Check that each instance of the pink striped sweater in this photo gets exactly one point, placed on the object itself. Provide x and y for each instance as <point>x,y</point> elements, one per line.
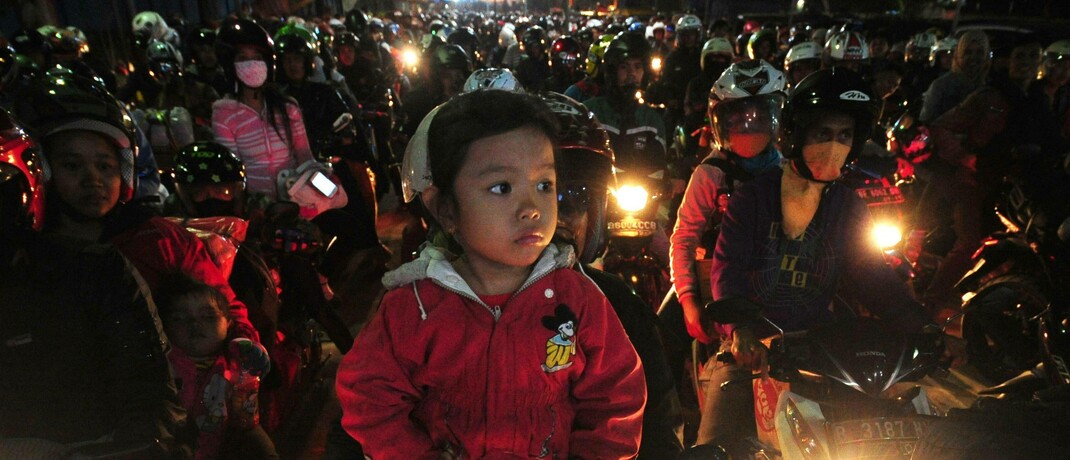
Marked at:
<point>250,135</point>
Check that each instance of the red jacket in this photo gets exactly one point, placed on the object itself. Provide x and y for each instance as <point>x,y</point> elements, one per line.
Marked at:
<point>158,247</point>
<point>436,371</point>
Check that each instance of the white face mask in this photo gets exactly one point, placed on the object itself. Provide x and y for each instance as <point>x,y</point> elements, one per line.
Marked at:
<point>252,73</point>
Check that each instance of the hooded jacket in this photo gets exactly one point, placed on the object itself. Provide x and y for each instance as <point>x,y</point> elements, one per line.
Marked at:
<point>548,373</point>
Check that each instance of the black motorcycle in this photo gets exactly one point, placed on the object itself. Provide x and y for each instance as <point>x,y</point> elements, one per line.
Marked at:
<point>833,391</point>
<point>1017,296</point>
<point>632,223</point>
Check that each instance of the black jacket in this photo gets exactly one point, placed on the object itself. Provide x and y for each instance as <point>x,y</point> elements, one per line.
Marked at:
<point>662,417</point>
<point>83,355</point>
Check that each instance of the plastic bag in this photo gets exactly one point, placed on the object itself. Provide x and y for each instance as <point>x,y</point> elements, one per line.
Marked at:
<point>221,237</point>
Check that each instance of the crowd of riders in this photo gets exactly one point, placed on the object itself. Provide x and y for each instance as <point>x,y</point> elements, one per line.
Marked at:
<point>172,224</point>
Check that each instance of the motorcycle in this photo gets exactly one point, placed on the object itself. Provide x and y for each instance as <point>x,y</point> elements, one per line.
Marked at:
<point>837,391</point>
<point>878,185</point>
<point>632,224</point>
<point>1016,300</point>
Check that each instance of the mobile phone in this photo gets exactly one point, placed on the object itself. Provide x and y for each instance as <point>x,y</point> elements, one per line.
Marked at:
<point>324,184</point>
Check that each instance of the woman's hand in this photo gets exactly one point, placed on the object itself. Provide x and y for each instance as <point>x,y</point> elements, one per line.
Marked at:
<point>693,319</point>
<point>748,351</point>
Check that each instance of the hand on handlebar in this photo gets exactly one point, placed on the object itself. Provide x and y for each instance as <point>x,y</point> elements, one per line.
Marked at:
<point>748,351</point>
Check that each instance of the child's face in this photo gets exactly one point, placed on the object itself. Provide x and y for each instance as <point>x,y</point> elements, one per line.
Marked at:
<point>196,327</point>
<point>85,172</point>
<point>507,203</point>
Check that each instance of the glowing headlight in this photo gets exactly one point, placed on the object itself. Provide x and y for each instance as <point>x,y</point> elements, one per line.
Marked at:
<point>631,198</point>
<point>886,235</point>
<point>655,64</point>
<point>410,58</point>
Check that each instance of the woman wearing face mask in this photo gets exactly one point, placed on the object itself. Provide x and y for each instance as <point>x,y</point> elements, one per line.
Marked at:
<point>256,121</point>
<point>793,238</point>
<point>744,110</point>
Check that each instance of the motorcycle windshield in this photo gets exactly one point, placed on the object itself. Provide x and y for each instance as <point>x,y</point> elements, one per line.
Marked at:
<point>863,354</point>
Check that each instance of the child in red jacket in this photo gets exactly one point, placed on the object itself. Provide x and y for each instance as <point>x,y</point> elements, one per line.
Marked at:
<point>502,351</point>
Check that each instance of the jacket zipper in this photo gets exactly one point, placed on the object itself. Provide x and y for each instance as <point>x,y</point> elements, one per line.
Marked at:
<point>496,311</point>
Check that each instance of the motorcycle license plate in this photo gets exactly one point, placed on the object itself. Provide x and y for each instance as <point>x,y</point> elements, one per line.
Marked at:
<point>878,437</point>
<point>881,195</point>
<point>632,227</point>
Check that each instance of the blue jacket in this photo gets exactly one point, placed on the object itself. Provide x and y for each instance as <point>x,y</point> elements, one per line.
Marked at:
<point>796,280</point>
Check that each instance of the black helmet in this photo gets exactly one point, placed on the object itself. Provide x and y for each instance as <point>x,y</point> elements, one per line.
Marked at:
<point>586,35</point>
<point>9,65</point>
<point>206,162</point>
<point>837,89</point>
<point>30,41</point>
<point>624,46</point>
<point>163,58</point>
<point>447,57</point>
<point>201,37</point>
<point>22,178</point>
<point>296,43</point>
<point>533,37</point>
<point>235,32</point>
<point>203,164</point>
<point>584,169</point>
<point>293,42</point>
<point>59,102</point>
<point>466,38</point>
<point>357,21</point>
<point>565,51</point>
<point>347,38</point>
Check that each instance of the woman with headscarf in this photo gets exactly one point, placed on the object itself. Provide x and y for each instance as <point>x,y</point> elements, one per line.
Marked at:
<point>969,71</point>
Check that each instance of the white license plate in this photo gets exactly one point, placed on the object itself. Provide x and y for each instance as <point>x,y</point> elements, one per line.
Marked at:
<point>878,437</point>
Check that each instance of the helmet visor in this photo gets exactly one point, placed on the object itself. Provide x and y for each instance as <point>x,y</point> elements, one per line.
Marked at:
<point>749,115</point>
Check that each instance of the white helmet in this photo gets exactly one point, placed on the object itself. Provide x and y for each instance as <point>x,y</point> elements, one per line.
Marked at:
<point>847,46</point>
<point>717,45</point>
<point>595,23</point>
<point>919,44</point>
<point>802,51</point>
<point>688,22</point>
<point>744,107</point>
<point>945,45</point>
<point>150,24</point>
<point>415,171</point>
<point>748,78</point>
<point>492,78</point>
<point>507,37</point>
<point>650,30</point>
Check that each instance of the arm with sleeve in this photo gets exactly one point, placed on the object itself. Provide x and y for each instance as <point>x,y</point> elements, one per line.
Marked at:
<point>302,152</point>
<point>696,210</point>
<point>376,390</point>
<point>610,394</point>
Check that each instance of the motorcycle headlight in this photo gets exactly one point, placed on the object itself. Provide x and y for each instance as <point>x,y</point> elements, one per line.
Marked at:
<point>801,432</point>
<point>655,64</point>
<point>631,198</point>
<point>887,235</point>
<point>410,58</point>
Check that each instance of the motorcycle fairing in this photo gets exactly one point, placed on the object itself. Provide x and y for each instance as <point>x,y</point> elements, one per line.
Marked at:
<point>866,356</point>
